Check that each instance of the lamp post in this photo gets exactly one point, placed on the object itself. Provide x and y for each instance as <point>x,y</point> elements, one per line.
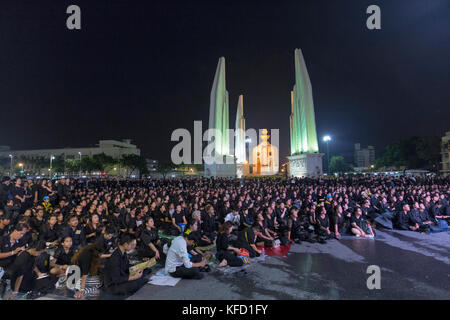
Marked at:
<point>11,169</point>
<point>327,139</point>
<point>79,153</point>
<point>51,162</point>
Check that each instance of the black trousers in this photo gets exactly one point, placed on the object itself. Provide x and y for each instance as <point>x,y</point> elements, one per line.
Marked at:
<point>232,259</point>
<point>187,273</point>
<point>129,287</point>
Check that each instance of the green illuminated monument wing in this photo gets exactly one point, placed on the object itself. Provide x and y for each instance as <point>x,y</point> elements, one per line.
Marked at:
<point>218,110</point>
<point>302,120</point>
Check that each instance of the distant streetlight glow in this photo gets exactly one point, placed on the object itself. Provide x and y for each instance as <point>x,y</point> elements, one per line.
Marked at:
<point>327,139</point>
<point>248,140</point>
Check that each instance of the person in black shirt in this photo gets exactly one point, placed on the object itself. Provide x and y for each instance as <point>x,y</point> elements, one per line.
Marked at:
<point>76,232</point>
<point>178,221</point>
<point>150,245</point>
<point>10,246</point>
<point>48,232</point>
<point>323,224</point>
<point>21,271</point>
<point>37,221</point>
<point>209,223</point>
<point>4,224</point>
<point>18,193</point>
<point>62,258</point>
<point>5,188</point>
<point>359,225</point>
<point>117,221</point>
<point>93,228</point>
<point>44,282</point>
<point>118,280</point>
<point>226,253</point>
<point>130,221</point>
<point>339,222</point>
<point>247,240</point>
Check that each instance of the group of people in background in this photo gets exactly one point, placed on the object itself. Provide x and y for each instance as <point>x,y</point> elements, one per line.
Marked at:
<point>99,224</point>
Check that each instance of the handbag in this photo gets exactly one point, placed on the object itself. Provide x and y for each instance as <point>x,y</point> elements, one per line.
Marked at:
<point>244,255</point>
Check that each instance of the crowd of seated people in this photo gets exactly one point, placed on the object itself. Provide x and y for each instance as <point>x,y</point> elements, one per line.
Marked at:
<point>98,224</point>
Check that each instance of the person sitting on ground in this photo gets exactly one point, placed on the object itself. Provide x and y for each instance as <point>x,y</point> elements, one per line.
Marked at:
<point>234,218</point>
<point>263,237</point>
<point>150,245</point>
<point>359,225</point>
<point>117,277</point>
<point>226,253</point>
<point>247,240</point>
<point>178,264</point>
<point>49,233</point>
<point>21,271</point>
<point>339,222</point>
<point>323,224</point>
<point>44,282</point>
<point>204,241</point>
<point>178,221</point>
<point>4,224</point>
<point>76,232</point>
<point>93,228</point>
<point>62,258</point>
<point>88,259</point>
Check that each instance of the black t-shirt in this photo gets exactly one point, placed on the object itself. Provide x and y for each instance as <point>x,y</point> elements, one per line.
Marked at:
<point>222,243</point>
<point>36,224</point>
<point>178,217</point>
<point>47,234</point>
<point>17,191</point>
<point>294,226</point>
<point>358,221</point>
<point>323,222</point>
<point>63,258</point>
<point>7,246</point>
<point>149,236</point>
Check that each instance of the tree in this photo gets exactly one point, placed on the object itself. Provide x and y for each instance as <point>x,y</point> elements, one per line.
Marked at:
<point>412,153</point>
<point>165,168</point>
<point>102,161</point>
<point>338,165</point>
<point>134,162</point>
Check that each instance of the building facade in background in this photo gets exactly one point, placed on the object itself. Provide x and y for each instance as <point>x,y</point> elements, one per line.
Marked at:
<point>113,148</point>
<point>445,153</point>
<point>10,159</point>
<point>364,158</point>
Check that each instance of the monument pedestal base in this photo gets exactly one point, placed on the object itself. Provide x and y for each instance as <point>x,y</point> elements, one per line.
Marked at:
<point>307,165</point>
<point>242,169</point>
<point>220,167</point>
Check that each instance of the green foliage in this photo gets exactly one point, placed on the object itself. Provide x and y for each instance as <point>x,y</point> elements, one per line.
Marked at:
<point>413,153</point>
<point>165,168</point>
<point>338,165</point>
<point>134,162</point>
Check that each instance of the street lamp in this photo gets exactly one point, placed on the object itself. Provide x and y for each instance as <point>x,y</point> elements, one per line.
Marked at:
<point>51,162</point>
<point>327,139</point>
<point>79,153</point>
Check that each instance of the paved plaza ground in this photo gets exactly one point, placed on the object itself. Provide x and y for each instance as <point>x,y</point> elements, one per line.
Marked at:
<point>413,266</point>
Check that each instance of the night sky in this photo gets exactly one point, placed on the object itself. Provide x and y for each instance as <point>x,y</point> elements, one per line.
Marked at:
<point>140,69</point>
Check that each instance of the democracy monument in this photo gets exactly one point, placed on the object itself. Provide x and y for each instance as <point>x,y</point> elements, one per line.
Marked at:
<point>304,160</point>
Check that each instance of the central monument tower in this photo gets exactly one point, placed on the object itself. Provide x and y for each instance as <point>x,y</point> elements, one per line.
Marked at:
<point>221,163</point>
